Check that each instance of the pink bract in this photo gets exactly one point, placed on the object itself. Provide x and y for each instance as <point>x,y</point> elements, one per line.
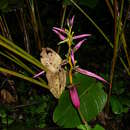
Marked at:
<point>88,73</point>
<point>74,97</point>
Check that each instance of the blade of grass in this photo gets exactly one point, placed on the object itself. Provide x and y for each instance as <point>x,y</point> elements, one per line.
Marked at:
<point>3,70</point>
<point>18,53</point>
<point>17,50</point>
<point>20,63</point>
<point>8,42</point>
<point>17,61</point>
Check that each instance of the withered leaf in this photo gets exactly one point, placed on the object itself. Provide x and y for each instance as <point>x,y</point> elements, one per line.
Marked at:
<point>55,75</point>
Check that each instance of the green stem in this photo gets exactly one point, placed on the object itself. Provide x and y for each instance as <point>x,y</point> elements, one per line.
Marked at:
<point>109,7</point>
<point>63,16</point>
<point>126,68</point>
<point>62,21</point>
<point>122,37</point>
<point>83,119</point>
<point>116,41</point>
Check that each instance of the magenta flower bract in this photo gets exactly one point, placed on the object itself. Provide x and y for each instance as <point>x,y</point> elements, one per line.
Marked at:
<point>72,57</point>
<point>59,34</point>
<point>81,36</point>
<point>59,29</point>
<point>74,97</point>
<point>71,21</point>
<point>88,73</point>
<point>37,75</point>
<point>77,46</point>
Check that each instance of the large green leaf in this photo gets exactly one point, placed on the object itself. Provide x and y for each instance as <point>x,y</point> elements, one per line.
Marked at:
<point>92,100</point>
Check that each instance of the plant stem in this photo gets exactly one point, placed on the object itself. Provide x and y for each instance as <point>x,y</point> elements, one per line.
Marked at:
<point>32,11</point>
<point>24,29</point>
<point>83,119</point>
<point>69,57</point>
<point>114,54</point>
<point>63,16</point>
<point>122,38</point>
<point>116,41</point>
<point>109,7</point>
<point>62,21</point>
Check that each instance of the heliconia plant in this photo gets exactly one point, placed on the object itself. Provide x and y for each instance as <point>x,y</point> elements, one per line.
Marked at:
<point>67,36</point>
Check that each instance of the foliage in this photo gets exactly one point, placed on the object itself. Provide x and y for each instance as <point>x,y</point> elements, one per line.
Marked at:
<point>119,101</point>
<point>92,100</point>
<point>25,26</point>
<point>32,112</point>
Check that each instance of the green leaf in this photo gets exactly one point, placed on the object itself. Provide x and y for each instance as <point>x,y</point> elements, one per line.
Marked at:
<point>98,127</point>
<point>92,101</point>
<point>17,61</point>
<point>20,52</point>
<point>83,127</point>
<point>116,106</point>
<point>9,120</point>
